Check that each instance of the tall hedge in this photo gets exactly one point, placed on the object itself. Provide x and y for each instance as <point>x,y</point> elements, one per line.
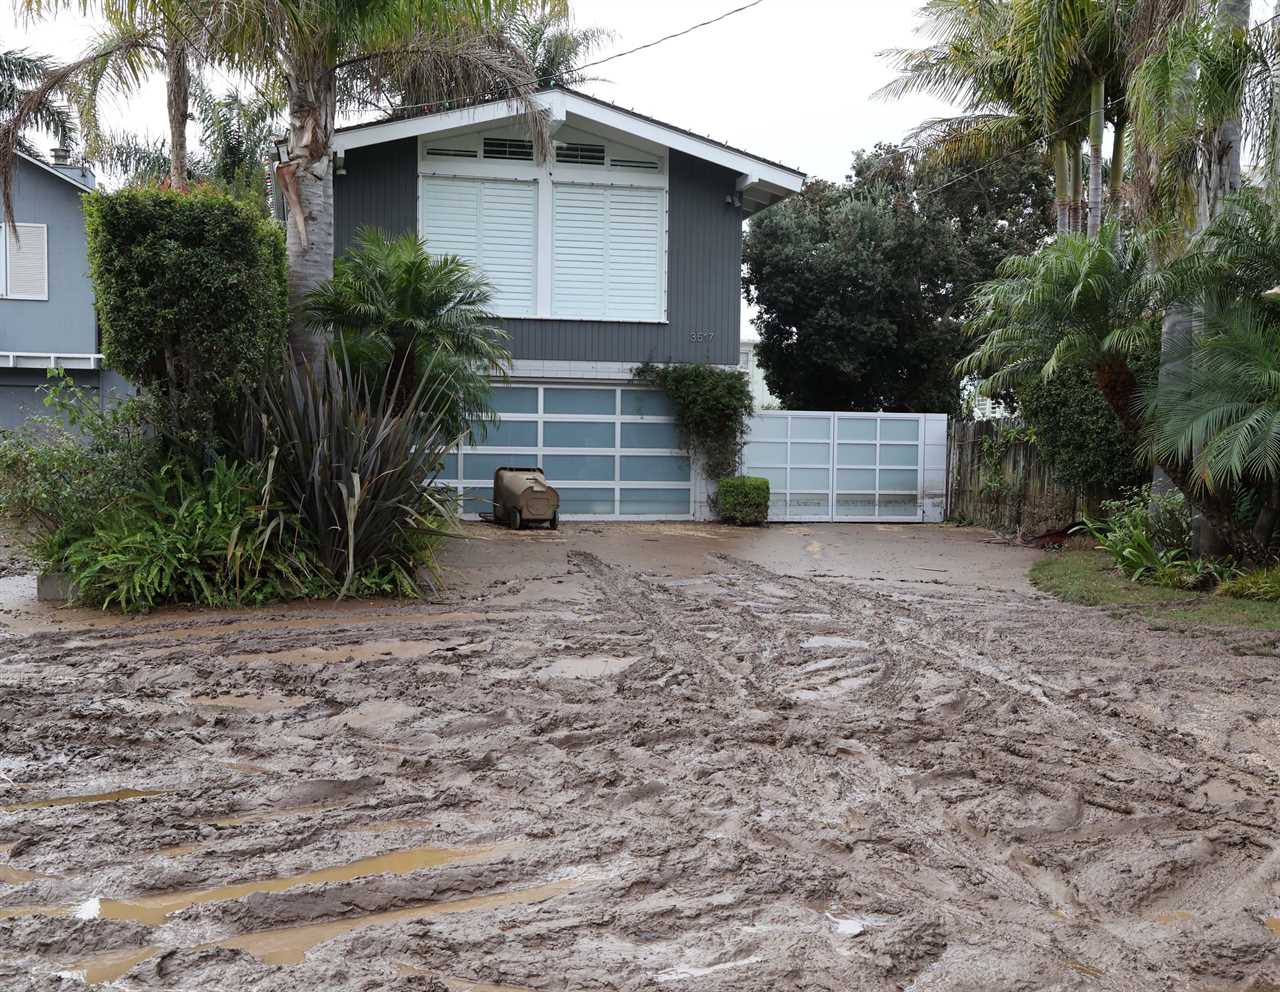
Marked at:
<point>190,294</point>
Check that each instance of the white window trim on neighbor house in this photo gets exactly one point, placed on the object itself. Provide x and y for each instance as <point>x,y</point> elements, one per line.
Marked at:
<point>548,178</point>
<point>10,244</point>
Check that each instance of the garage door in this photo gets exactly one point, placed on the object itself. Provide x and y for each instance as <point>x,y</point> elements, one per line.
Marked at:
<point>850,466</point>
<point>611,451</point>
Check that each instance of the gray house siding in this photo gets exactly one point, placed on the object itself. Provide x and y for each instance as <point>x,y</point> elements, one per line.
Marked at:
<point>704,277</point>
<point>65,322</point>
<point>21,398</point>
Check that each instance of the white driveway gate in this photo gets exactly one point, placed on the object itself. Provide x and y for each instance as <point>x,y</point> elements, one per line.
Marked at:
<point>889,467</point>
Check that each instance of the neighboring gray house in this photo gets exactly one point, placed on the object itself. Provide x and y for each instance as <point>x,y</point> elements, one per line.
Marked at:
<point>623,247</point>
<point>46,301</point>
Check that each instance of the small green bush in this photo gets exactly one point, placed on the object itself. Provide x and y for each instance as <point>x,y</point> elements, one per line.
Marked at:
<point>1261,584</point>
<point>743,500</point>
<point>190,295</point>
<point>63,470</point>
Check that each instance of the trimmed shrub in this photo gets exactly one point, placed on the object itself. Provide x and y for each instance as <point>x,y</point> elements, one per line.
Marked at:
<point>1261,584</point>
<point>190,294</point>
<point>743,500</point>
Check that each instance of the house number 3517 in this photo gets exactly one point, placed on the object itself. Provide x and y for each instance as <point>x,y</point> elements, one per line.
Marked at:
<point>701,337</point>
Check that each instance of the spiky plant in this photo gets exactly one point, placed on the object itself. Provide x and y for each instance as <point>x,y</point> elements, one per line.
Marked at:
<point>20,74</point>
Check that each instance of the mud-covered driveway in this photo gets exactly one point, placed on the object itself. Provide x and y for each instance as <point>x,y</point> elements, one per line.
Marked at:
<point>644,757</point>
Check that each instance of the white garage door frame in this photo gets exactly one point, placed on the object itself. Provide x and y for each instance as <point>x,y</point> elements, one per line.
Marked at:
<point>640,433</point>
<point>850,467</point>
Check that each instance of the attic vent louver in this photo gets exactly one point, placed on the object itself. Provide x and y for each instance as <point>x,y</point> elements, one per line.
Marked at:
<point>574,153</point>
<point>644,164</point>
<point>508,148</point>
<point>452,152</point>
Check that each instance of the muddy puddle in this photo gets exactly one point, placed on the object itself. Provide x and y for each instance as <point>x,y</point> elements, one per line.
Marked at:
<point>269,702</point>
<point>153,910</point>
<point>289,945</point>
<point>119,795</point>
<point>590,667</point>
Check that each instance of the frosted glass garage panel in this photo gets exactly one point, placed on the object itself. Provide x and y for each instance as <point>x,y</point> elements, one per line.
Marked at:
<point>899,454</point>
<point>766,453</point>
<point>601,402</point>
<point>810,429</point>
<point>638,435</point>
<point>856,430</point>
<point>810,478</point>
<point>479,467</point>
<point>856,454</point>
<point>515,399</point>
<point>655,468</point>
<point>805,453</point>
<point>856,480</point>
<point>898,506</point>
<point>477,499</point>
<point>577,434</point>
<point>899,430</point>
<point>777,477</point>
<point>507,434</point>
<point>902,480</point>
<point>855,505</point>
<point>579,468</point>
<point>656,502</point>
<point>768,429</point>
<point>646,403</point>
<point>808,504</point>
<point>593,501</point>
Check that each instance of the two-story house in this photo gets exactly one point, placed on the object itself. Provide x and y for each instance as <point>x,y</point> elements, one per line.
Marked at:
<point>46,299</point>
<point>624,246</point>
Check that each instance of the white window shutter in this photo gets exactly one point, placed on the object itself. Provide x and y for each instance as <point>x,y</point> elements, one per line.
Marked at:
<point>634,274</point>
<point>494,226</point>
<point>27,262</point>
<point>607,252</point>
<point>578,249</point>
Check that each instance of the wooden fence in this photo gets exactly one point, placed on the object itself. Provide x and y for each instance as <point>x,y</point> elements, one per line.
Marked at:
<point>997,482</point>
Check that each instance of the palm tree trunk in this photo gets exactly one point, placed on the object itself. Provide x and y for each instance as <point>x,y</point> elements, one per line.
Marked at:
<point>1062,186</point>
<point>306,180</point>
<point>178,98</point>
<point>1077,189</point>
<point>1097,121</point>
<point>1117,161</point>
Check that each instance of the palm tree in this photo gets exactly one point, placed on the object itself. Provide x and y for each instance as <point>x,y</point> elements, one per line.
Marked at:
<point>398,311</point>
<point>1080,300</point>
<point>310,47</point>
<point>554,47</point>
<point>20,73</point>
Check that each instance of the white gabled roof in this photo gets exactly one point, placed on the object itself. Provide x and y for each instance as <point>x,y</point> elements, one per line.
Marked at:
<point>760,181</point>
<point>55,172</point>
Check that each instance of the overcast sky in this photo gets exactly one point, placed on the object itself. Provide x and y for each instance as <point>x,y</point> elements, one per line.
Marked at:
<point>791,80</point>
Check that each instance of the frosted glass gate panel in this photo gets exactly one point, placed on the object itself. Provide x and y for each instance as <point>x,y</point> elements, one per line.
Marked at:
<point>850,466</point>
<point>612,452</point>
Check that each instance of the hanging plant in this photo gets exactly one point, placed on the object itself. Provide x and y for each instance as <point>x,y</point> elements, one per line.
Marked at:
<point>712,406</point>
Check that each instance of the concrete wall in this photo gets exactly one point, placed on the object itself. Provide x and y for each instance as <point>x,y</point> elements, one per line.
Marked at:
<point>64,323</point>
<point>704,273</point>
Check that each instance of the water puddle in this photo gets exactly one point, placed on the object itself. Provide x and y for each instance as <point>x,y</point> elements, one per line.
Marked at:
<point>1176,916</point>
<point>857,923</point>
<point>14,912</point>
<point>267,702</point>
<point>98,797</point>
<point>357,651</point>
<point>289,945</point>
<point>9,875</point>
<point>683,971</point>
<point>1272,923</point>
<point>152,910</point>
<point>590,667</point>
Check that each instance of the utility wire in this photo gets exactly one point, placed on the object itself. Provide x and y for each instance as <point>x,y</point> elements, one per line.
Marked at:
<point>598,62</point>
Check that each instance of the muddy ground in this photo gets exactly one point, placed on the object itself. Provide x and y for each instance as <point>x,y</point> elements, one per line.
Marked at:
<point>644,757</point>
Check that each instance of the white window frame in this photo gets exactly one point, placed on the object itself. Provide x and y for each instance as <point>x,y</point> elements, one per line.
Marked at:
<point>545,175</point>
<point>4,263</point>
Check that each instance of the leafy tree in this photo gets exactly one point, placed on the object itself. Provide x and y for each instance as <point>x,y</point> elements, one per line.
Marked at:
<point>20,73</point>
<point>398,312</point>
<point>860,284</point>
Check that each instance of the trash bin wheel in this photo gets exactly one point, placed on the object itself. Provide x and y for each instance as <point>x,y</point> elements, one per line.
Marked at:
<point>513,518</point>
<point>554,522</point>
